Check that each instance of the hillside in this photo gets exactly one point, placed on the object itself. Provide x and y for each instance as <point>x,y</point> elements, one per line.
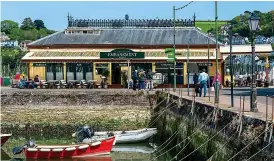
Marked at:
<point>207,25</point>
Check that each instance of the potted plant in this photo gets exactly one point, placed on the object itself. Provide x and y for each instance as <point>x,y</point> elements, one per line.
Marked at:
<point>105,73</point>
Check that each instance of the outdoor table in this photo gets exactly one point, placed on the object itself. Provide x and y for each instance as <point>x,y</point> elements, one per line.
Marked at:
<point>51,83</point>
<point>91,83</point>
<point>71,83</point>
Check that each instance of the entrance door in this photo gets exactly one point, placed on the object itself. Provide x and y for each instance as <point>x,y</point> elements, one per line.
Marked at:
<point>116,73</point>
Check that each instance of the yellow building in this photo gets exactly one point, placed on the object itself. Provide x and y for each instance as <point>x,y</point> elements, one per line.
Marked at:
<point>89,48</point>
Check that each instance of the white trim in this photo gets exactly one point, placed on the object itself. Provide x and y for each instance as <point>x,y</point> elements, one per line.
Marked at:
<point>83,146</point>
<point>70,149</point>
<point>44,150</point>
<point>267,48</point>
<point>96,143</point>
<point>4,135</point>
<point>57,150</point>
<point>32,149</point>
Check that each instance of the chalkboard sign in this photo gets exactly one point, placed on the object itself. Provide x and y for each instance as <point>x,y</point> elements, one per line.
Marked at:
<point>39,64</point>
<point>101,65</point>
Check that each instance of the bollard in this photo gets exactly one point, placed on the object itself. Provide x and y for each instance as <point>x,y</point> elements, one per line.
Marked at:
<point>266,106</point>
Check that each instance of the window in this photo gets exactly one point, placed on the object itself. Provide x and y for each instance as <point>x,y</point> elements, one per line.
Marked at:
<point>85,32</point>
<point>100,68</point>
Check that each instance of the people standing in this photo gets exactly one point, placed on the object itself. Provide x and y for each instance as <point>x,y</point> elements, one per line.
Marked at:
<point>203,78</point>
<point>135,79</point>
<point>219,80</point>
<point>195,79</point>
<point>150,80</point>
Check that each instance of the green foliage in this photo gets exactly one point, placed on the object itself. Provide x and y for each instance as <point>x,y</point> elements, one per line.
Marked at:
<point>39,24</point>
<point>7,26</point>
<point>266,24</point>
<point>28,30</point>
<point>272,46</point>
<point>27,24</point>
<point>10,56</point>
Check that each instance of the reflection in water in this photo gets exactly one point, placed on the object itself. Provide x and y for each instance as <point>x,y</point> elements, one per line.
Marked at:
<point>120,152</point>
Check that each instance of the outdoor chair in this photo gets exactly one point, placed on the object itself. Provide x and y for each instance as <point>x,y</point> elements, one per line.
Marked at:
<point>57,84</point>
<point>44,84</point>
<point>63,84</point>
<point>77,84</point>
<point>14,83</point>
<point>83,83</point>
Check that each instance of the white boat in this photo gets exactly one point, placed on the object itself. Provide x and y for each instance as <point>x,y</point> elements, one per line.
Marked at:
<point>133,148</point>
<point>125,136</point>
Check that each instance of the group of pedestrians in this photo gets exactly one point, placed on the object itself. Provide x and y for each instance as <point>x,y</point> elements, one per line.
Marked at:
<point>142,79</point>
<point>203,79</point>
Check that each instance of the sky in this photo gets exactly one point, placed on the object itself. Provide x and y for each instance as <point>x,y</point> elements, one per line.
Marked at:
<point>54,14</point>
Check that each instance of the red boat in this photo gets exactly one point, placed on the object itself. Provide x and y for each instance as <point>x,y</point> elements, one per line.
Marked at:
<point>4,138</point>
<point>70,151</point>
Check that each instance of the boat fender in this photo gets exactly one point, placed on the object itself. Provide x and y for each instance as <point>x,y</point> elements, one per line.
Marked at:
<point>110,134</point>
<point>83,146</point>
<point>70,149</point>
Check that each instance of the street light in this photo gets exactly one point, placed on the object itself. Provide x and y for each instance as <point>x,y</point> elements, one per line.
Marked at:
<point>208,61</point>
<point>253,23</point>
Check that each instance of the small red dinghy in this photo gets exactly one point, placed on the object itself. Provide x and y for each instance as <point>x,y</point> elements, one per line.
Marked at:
<point>4,138</point>
<point>70,151</point>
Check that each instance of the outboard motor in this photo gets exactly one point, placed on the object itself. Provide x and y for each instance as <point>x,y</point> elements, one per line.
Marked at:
<point>18,150</point>
<point>84,133</point>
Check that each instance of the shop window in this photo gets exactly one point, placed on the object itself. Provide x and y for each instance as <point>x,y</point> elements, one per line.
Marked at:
<point>85,32</point>
<point>59,68</point>
<point>49,68</point>
<point>89,68</point>
<point>100,68</point>
<point>70,68</point>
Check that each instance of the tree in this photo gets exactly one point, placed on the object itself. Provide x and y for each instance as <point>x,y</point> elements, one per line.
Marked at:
<point>8,25</point>
<point>39,24</point>
<point>27,24</point>
<point>16,34</point>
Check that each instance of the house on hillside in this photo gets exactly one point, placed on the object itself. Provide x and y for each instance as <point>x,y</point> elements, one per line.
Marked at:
<point>23,44</point>
<point>9,43</point>
<point>260,39</point>
<point>4,37</point>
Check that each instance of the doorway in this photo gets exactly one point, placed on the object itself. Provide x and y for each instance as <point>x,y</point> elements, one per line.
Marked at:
<point>116,73</point>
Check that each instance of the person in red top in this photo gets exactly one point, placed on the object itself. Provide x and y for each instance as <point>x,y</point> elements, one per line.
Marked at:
<point>219,80</point>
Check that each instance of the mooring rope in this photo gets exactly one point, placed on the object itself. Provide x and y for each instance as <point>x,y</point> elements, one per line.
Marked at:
<point>260,150</point>
<point>159,103</point>
<point>178,143</point>
<point>209,159</point>
<point>175,157</point>
<point>173,135</point>
<point>206,141</point>
<point>247,145</point>
<point>162,110</point>
<point>158,117</point>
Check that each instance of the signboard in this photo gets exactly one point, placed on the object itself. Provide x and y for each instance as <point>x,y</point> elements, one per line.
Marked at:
<point>123,64</point>
<point>204,64</point>
<point>168,64</point>
<point>39,64</point>
<point>122,54</point>
<point>102,65</point>
<point>170,52</point>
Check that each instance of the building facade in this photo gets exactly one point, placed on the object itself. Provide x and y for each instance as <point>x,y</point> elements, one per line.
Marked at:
<point>88,48</point>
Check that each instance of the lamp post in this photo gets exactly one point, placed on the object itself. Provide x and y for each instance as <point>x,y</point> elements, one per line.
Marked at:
<point>174,46</point>
<point>253,23</point>
<point>208,61</point>
<point>216,37</point>
<point>229,28</point>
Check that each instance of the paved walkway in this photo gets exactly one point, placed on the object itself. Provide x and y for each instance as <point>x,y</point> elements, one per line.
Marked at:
<point>225,103</point>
